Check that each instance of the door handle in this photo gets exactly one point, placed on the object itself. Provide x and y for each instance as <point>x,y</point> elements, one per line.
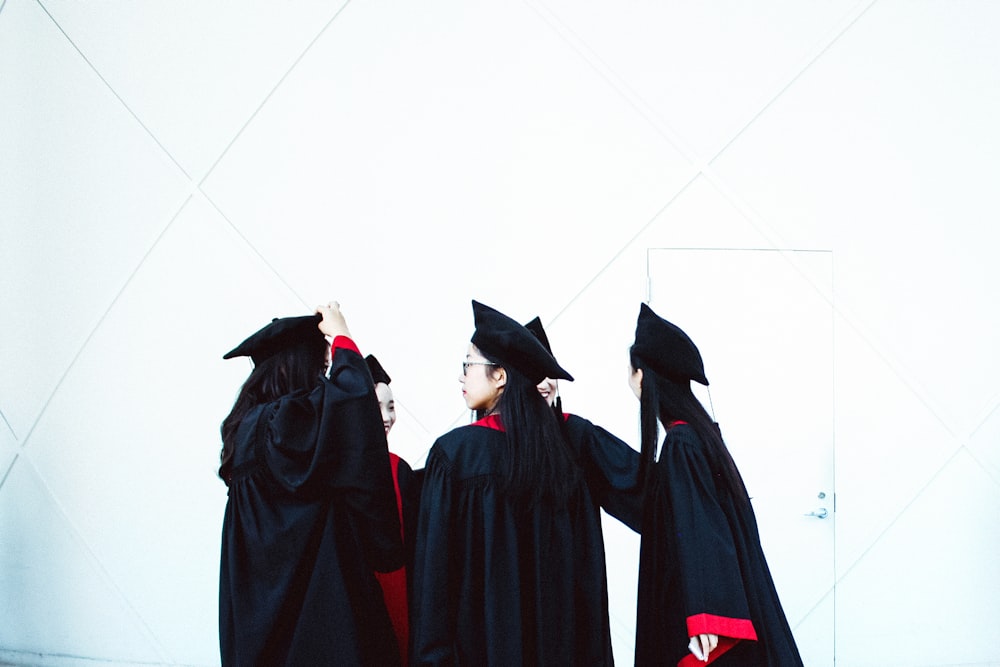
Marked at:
<point>819,514</point>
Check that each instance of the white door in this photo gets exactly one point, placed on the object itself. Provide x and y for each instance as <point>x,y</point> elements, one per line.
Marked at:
<point>763,321</point>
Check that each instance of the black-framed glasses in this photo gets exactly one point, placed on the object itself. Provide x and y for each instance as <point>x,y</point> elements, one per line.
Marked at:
<point>466,364</point>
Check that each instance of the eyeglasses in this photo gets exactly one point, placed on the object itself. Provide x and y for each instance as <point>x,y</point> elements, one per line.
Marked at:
<point>466,364</point>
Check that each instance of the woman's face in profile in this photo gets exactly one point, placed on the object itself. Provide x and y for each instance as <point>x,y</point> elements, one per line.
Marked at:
<point>482,382</point>
<point>635,380</point>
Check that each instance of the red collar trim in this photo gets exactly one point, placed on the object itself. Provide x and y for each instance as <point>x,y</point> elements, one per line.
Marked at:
<point>493,422</point>
<point>490,421</point>
<point>676,423</point>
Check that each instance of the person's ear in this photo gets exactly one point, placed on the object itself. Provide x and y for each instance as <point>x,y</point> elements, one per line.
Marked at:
<point>501,377</point>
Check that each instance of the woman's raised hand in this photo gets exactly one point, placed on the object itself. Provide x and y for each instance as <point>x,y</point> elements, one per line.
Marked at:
<point>333,323</point>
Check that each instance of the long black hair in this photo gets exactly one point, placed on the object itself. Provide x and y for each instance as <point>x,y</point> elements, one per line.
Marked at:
<point>536,464</point>
<point>289,370</point>
<point>667,400</point>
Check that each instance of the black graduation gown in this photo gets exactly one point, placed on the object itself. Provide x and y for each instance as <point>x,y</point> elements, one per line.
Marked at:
<point>502,587</point>
<point>702,570</point>
<point>311,512</point>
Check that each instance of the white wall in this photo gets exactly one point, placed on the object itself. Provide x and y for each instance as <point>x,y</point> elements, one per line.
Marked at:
<point>172,175</point>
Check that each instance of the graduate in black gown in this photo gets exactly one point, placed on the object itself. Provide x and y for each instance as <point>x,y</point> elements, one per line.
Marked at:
<point>705,590</point>
<point>509,567</point>
<point>311,510</point>
<point>395,584</point>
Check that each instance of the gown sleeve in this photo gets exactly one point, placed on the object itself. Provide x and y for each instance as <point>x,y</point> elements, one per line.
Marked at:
<point>331,440</point>
<point>612,468</point>
<point>714,598</point>
<point>433,606</point>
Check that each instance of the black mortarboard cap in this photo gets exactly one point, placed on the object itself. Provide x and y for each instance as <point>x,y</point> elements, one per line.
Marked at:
<point>375,368</point>
<point>281,333</point>
<point>666,349</point>
<point>535,327</point>
<point>508,341</point>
